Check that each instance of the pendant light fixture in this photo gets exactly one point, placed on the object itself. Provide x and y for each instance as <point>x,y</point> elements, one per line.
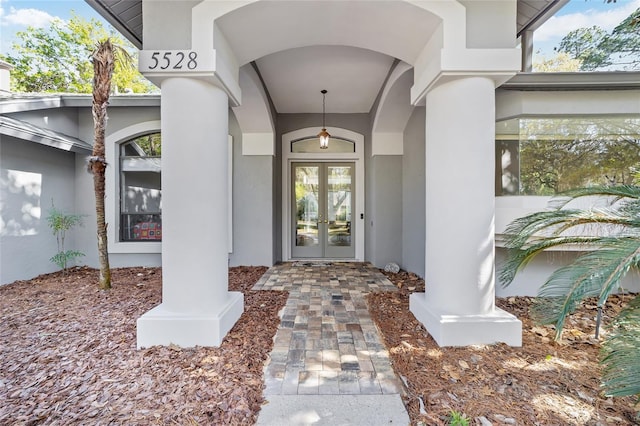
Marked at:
<point>323,135</point>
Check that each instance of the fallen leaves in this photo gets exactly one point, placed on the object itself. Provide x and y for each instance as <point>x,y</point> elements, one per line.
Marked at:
<point>68,354</point>
<point>498,384</point>
<point>541,331</point>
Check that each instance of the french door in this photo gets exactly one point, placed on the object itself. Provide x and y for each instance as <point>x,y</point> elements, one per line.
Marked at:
<point>322,209</point>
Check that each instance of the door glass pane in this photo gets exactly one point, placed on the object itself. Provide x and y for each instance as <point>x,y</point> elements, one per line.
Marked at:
<point>306,207</point>
<point>339,205</point>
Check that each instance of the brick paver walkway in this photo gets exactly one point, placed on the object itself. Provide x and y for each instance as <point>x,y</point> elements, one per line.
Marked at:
<point>327,344</point>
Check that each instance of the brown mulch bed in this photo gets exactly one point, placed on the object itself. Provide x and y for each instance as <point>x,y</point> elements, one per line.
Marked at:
<point>542,383</point>
<point>68,356</point>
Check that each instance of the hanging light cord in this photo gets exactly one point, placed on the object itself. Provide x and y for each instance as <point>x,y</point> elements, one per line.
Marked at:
<point>324,93</point>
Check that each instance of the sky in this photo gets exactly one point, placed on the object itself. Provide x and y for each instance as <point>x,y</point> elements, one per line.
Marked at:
<point>16,15</point>
<point>579,14</point>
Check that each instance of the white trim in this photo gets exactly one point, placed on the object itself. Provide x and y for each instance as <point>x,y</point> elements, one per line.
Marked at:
<point>230,197</point>
<point>257,144</point>
<point>357,157</point>
<point>387,143</point>
<point>112,183</point>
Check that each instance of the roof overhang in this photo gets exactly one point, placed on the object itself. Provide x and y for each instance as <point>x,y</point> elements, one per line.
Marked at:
<point>533,13</point>
<point>126,15</point>
<point>26,131</point>
<point>547,81</point>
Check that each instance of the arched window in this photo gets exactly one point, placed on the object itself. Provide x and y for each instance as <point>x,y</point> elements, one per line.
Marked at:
<point>140,189</point>
<point>312,145</point>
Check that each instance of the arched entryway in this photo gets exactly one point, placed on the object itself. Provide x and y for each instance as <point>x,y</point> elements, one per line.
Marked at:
<point>325,218</point>
<point>459,52</point>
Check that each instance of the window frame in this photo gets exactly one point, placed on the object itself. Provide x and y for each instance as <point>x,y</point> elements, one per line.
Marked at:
<point>599,121</point>
<point>112,152</point>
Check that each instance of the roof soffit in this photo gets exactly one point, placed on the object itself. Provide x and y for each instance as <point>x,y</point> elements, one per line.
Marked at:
<point>126,15</point>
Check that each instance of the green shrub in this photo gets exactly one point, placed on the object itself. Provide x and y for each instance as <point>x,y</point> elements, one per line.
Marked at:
<point>60,223</point>
<point>457,418</point>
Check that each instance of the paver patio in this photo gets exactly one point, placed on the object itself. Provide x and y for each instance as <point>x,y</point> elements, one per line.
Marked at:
<point>327,344</point>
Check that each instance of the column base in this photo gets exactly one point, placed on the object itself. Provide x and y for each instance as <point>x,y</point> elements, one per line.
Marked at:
<point>162,327</point>
<point>465,330</point>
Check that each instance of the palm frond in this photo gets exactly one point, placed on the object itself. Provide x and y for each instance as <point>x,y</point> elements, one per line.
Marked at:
<point>621,255</point>
<point>560,295</point>
<point>518,258</point>
<point>122,56</point>
<point>622,191</point>
<point>103,64</point>
<point>520,230</point>
<point>617,192</point>
<point>612,234</point>
<point>601,222</point>
<point>559,222</point>
<point>631,208</point>
<point>597,273</point>
<point>621,353</point>
<point>528,236</point>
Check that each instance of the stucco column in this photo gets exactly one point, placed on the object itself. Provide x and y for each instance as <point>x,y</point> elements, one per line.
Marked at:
<point>458,306</point>
<point>196,308</point>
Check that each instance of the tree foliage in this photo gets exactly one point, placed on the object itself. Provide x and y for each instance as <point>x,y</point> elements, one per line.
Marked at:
<point>562,62</point>
<point>611,237</point>
<point>57,58</point>
<point>585,45</point>
<point>575,163</point>
<point>559,154</point>
<point>597,49</point>
<point>150,144</point>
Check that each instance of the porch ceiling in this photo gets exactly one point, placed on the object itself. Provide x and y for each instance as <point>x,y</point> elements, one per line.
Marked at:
<point>294,77</point>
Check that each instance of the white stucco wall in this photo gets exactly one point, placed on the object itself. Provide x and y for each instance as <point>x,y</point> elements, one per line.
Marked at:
<point>512,103</point>
<point>252,205</point>
<point>120,118</point>
<point>413,194</point>
<point>384,216</point>
<point>64,178</point>
<point>62,120</point>
<point>31,176</point>
<point>158,16</point>
<point>529,280</point>
<point>485,23</point>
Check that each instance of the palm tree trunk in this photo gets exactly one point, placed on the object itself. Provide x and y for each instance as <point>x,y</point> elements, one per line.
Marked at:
<point>103,65</point>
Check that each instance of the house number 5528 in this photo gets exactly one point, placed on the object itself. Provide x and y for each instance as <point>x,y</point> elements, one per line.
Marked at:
<point>175,60</point>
